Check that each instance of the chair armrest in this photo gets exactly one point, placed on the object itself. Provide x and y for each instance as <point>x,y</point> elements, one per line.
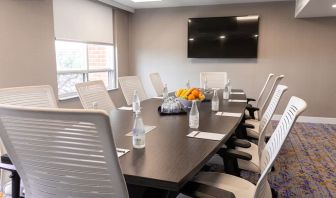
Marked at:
<point>242,143</point>
<point>252,108</point>
<point>251,111</point>
<point>250,99</point>
<point>238,154</point>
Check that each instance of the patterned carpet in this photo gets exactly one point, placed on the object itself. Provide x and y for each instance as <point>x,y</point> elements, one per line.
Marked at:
<point>306,166</point>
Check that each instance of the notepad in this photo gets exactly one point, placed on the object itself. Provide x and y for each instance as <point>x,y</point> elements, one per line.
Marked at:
<point>235,100</point>
<point>238,93</point>
<point>206,135</point>
<point>231,114</point>
<point>121,152</point>
<point>158,97</point>
<point>126,108</point>
<point>219,113</point>
<point>147,129</point>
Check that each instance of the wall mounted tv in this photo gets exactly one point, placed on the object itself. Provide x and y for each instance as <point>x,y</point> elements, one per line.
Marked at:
<point>223,37</point>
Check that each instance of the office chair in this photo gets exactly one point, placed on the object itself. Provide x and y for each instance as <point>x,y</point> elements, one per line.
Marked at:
<point>93,95</point>
<point>27,96</point>
<point>63,152</point>
<point>242,188</point>
<point>214,79</point>
<point>157,83</point>
<point>130,83</point>
<point>254,112</point>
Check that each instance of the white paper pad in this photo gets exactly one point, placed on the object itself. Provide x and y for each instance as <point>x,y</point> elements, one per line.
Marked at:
<point>206,135</point>
<point>147,129</point>
<point>219,114</point>
<point>231,114</point>
<point>126,108</point>
<point>234,100</point>
<point>238,93</point>
<point>158,97</point>
<point>228,114</point>
<point>121,151</point>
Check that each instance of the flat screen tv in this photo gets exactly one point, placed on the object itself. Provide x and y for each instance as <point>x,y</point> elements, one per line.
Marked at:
<point>223,37</point>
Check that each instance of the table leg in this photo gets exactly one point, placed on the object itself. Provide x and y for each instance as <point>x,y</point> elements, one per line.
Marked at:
<point>15,185</point>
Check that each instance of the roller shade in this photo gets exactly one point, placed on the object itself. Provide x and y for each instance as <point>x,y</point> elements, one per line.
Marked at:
<point>83,20</point>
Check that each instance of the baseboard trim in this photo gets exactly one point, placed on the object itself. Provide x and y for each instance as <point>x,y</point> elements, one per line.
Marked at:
<point>309,119</point>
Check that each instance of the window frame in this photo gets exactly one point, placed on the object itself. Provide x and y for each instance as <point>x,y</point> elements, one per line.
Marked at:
<point>112,73</point>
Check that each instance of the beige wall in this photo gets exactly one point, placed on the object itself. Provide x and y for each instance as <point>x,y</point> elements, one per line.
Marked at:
<point>27,52</point>
<point>304,50</point>
<point>27,55</point>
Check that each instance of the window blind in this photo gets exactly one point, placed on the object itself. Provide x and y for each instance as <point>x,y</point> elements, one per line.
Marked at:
<point>83,20</point>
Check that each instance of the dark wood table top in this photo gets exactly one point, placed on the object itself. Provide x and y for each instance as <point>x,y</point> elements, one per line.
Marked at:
<point>170,158</point>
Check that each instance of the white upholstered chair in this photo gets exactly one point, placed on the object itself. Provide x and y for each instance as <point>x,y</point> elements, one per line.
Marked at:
<point>93,95</point>
<point>258,114</point>
<point>242,188</point>
<point>260,133</point>
<point>85,165</point>
<point>214,79</point>
<point>157,83</point>
<point>261,94</point>
<point>130,83</point>
<point>29,96</point>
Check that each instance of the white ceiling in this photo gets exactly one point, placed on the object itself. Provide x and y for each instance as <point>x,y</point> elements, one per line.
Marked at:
<point>316,8</point>
<point>177,3</point>
<point>304,8</point>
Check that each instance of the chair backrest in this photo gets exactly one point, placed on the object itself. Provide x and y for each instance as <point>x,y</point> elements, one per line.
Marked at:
<point>93,95</point>
<point>268,97</point>
<point>62,152</point>
<point>29,96</point>
<point>157,83</point>
<point>263,89</point>
<point>214,79</point>
<point>130,83</point>
<point>294,108</point>
<point>267,116</point>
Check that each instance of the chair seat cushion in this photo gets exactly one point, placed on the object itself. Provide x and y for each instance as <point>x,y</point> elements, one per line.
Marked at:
<point>255,123</point>
<point>253,164</point>
<point>241,188</point>
<point>252,133</point>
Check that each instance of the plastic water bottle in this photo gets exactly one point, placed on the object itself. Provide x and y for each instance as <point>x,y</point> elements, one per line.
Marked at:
<point>139,137</point>
<point>165,92</point>
<point>229,85</point>
<point>215,102</point>
<point>226,92</point>
<point>205,84</point>
<point>194,116</point>
<point>136,102</point>
<point>188,84</point>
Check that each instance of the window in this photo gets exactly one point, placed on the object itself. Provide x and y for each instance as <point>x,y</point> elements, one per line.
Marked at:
<point>81,62</point>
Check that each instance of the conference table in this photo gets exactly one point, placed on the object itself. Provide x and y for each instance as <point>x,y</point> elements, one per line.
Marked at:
<point>170,158</point>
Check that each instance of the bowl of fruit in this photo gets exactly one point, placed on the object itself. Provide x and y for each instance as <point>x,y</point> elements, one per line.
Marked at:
<point>186,96</point>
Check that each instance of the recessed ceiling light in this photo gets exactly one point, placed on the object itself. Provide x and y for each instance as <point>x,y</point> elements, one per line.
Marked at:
<point>191,39</point>
<point>222,37</point>
<point>334,6</point>
<point>139,1</point>
<point>256,36</point>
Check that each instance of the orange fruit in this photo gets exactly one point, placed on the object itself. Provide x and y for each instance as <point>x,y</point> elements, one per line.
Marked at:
<point>191,97</point>
<point>195,93</point>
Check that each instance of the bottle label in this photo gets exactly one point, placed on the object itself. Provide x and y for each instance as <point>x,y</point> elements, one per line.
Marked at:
<point>215,106</point>
<point>193,122</point>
